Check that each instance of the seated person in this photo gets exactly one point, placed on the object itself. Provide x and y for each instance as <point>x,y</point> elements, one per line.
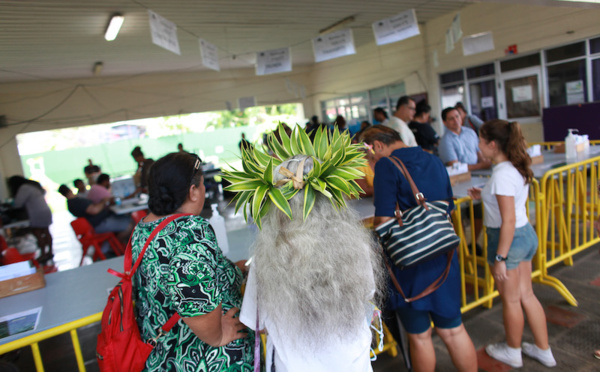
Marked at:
<point>470,121</point>
<point>80,186</point>
<point>460,144</point>
<point>425,135</point>
<point>98,215</point>
<point>101,190</point>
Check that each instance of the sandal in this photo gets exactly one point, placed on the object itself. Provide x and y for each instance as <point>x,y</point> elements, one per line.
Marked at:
<point>597,354</point>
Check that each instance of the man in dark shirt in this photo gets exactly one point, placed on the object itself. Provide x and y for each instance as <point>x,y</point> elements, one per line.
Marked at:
<point>141,175</point>
<point>98,214</point>
<point>425,135</point>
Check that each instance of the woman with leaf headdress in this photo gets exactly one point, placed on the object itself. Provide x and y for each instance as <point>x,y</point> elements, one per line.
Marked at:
<point>315,271</point>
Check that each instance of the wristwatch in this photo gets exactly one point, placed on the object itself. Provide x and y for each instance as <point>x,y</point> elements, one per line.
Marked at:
<point>500,258</point>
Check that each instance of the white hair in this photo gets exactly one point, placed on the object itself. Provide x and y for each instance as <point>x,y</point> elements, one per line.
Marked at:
<point>316,277</point>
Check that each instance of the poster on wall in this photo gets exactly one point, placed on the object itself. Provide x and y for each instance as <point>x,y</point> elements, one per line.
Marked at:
<point>333,45</point>
<point>478,43</point>
<point>164,32</point>
<point>210,55</point>
<point>487,102</point>
<point>273,61</point>
<point>396,28</point>
<point>574,91</point>
<point>523,93</point>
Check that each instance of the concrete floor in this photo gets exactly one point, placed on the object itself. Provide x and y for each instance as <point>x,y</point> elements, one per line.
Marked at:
<point>574,331</point>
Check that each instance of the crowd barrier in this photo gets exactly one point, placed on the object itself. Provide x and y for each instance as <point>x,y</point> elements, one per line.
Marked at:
<point>562,206</point>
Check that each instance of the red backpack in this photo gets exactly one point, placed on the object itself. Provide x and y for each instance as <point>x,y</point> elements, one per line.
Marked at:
<point>120,346</point>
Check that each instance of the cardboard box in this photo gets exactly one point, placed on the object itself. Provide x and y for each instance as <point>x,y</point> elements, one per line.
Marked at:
<point>22,284</point>
<point>461,177</point>
<point>537,159</point>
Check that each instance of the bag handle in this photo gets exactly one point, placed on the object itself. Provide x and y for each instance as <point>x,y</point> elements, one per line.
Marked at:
<point>430,289</point>
<point>419,197</point>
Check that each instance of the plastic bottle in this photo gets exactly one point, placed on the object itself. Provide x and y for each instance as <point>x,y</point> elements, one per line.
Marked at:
<point>586,144</point>
<point>570,145</point>
<point>218,223</point>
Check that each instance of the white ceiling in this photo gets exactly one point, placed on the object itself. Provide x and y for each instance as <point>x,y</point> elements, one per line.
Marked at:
<point>58,39</point>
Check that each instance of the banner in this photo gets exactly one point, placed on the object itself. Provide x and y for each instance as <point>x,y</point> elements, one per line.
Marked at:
<point>399,27</point>
<point>210,55</point>
<point>333,45</point>
<point>164,32</point>
<point>477,43</point>
<point>273,61</point>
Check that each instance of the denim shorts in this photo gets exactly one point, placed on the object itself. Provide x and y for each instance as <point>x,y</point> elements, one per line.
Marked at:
<point>419,321</point>
<point>522,248</point>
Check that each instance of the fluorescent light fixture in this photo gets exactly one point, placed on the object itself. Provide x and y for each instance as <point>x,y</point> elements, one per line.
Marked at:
<point>116,20</point>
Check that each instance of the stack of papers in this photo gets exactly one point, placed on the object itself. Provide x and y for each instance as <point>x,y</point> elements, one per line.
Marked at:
<point>535,150</point>
<point>16,270</point>
<point>457,168</point>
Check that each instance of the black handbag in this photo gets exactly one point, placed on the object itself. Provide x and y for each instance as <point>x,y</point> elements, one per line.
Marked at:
<point>418,234</point>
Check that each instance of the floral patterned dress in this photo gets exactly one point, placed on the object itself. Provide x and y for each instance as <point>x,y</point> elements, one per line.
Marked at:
<point>184,271</point>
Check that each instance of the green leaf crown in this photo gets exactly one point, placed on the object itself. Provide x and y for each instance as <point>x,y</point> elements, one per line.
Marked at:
<point>336,162</point>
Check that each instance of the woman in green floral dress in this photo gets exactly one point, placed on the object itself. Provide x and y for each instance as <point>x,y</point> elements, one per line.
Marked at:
<point>184,271</point>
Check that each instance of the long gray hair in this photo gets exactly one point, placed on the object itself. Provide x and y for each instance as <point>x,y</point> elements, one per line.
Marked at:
<point>316,277</point>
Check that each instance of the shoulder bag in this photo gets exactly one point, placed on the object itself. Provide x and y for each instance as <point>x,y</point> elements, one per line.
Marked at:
<point>418,234</point>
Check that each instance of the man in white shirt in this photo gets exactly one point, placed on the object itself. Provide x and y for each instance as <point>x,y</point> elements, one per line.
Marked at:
<point>405,112</point>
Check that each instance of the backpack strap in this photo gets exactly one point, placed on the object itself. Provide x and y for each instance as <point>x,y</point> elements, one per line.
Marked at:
<point>127,264</point>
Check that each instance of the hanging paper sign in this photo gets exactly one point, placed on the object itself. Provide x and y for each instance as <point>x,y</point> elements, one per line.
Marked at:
<point>273,61</point>
<point>333,45</point>
<point>210,55</point>
<point>456,29</point>
<point>449,41</point>
<point>487,102</point>
<point>164,32</point>
<point>436,62</point>
<point>245,102</point>
<point>478,43</point>
<point>399,27</point>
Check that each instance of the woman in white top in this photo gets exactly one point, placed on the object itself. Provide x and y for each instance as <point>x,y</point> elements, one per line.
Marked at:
<point>512,242</point>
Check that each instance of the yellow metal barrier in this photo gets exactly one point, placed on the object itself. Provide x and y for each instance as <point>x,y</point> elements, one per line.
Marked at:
<point>570,207</point>
<point>34,340</point>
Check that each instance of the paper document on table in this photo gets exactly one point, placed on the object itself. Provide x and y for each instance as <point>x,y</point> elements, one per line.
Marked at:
<point>20,322</point>
<point>16,270</point>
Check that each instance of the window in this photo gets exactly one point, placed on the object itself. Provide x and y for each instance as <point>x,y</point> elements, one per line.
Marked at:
<point>567,83</point>
<point>483,99</point>
<point>522,97</point>
<point>519,63</point>
<point>596,78</point>
<point>452,94</point>
<point>480,71</point>
<point>595,45</point>
<point>565,52</point>
<point>452,77</point>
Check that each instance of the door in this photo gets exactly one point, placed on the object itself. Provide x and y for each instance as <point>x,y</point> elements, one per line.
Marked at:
<point>520,91</point>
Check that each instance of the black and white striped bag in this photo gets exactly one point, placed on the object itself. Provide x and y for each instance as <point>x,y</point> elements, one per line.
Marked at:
<point>418,234</point>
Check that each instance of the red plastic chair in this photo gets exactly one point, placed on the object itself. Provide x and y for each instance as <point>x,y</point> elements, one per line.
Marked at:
<point>89,238</point>
<point>11,255</point>
<point>138,215</point>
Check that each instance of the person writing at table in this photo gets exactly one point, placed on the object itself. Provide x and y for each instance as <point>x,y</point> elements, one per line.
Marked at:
<point>512,242</point>
<point>98,214</point>
<point>184,271</point>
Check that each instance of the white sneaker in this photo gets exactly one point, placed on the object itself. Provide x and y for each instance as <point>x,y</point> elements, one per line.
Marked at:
<point>505,354</point>
<point>543,356</point>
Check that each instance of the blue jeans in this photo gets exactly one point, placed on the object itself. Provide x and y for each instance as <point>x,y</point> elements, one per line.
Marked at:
<point>522,248</point>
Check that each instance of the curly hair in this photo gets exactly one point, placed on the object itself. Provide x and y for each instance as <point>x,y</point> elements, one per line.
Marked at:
<point>169,181</point>
<point>315,277</point>
<point>509,138</point>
